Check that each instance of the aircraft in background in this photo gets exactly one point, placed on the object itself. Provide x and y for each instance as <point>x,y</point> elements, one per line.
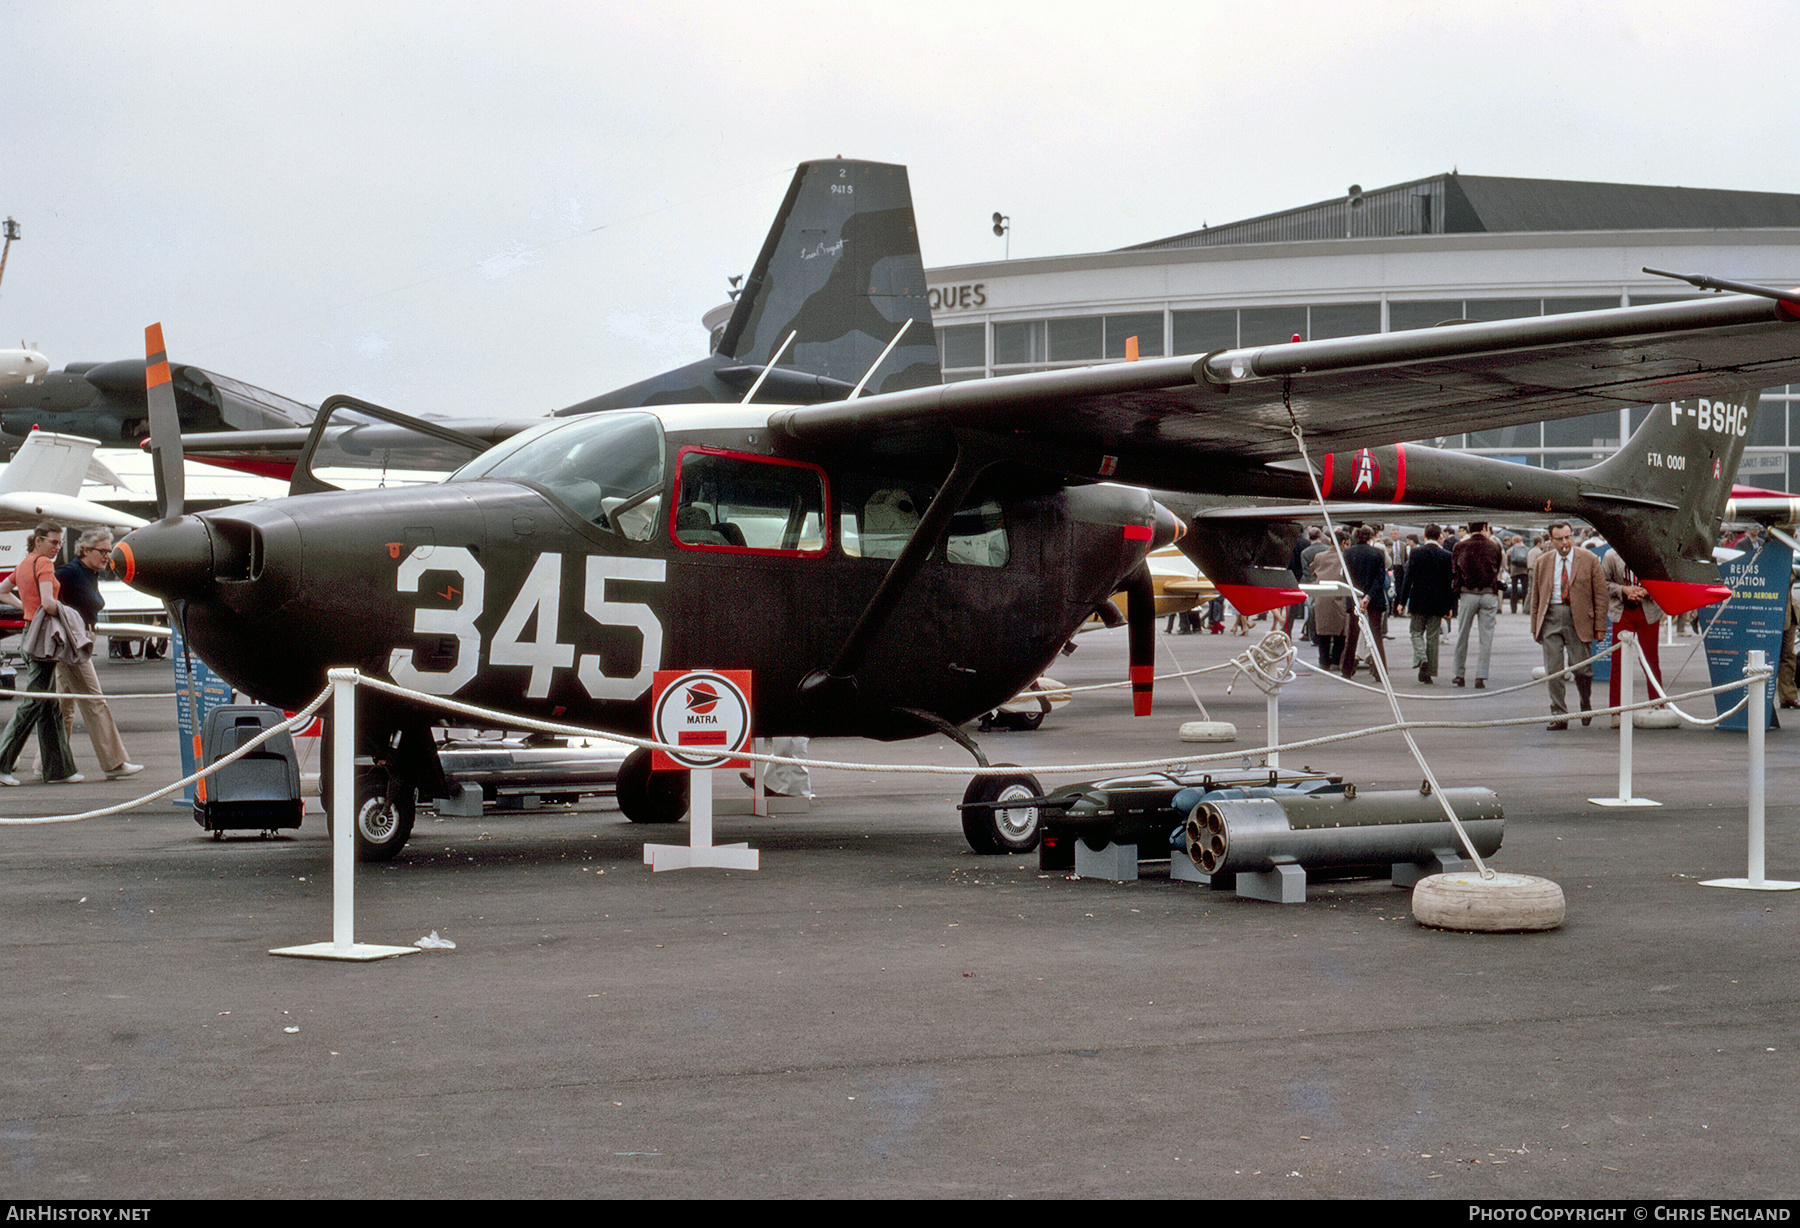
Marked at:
<point>22,366</point>
<point>105,402</point>
<point>839,280</point>
<point>894,564</point>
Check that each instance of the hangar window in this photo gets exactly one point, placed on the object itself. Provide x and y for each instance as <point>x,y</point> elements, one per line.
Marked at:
<point>1020,341</point>
<point>1600,431</point>
<point>1426,314</point>
<point>1271,325</point>
<point>1344,320</point>
<point>1560,306</point>
<point>964,345</point>
<point>1146,326</point>
<point>606,467</point>
<point>739,503</point>
<point>1076,340</point>
<point>1501,308</point>
<point>1202,332</point>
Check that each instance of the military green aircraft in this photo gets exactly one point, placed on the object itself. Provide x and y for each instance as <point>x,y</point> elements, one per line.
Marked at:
<point>892,564</point>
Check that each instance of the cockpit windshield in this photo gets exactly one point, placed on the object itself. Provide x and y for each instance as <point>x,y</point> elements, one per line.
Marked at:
<point>608,467</point>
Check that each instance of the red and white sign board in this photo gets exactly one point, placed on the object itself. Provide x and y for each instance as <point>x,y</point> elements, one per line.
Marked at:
<point>706,714</point>
<point>707,710</point>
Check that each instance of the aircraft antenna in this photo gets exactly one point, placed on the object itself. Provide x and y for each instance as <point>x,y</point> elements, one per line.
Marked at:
<point>773,359</point>
<point>12,232</point>
<point>864,381</point>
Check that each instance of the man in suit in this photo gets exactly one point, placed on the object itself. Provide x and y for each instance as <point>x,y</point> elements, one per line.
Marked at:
<point>1425,595</point>
<point>1568,613</point>
<point>1368,568</point>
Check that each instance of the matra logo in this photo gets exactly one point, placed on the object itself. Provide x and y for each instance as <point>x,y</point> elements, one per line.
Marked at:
<point>1367,470</point>
<point>540,597</point>
<point>1720,416</point>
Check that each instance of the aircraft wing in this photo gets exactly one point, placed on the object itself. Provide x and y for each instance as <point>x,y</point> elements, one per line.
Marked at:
<point>22,509</point>
<point>1160,422</point>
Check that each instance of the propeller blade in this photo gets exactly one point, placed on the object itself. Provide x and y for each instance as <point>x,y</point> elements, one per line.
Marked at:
<point>165,425</point>
<point>1140,617</point>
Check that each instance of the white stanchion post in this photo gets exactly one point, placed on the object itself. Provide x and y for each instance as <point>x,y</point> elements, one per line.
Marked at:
<point>1758,720</point>
<point>1274,698</point>
<point>700,849</point>
<point>343,944</point>
<point>1623,661</point>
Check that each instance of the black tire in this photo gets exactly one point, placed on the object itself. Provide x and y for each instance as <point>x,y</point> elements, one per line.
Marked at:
<point>383,823</point>
<point>1002,831</point>
<point>651,797</point>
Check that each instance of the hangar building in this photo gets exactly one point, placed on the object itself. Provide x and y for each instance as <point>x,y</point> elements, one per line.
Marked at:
<point>1449,247</point>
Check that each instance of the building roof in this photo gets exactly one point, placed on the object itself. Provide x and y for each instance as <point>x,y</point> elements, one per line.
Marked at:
<point>1474,204</point>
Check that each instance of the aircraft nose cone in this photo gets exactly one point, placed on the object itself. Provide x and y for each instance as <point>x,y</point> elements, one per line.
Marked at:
<point>171,559</point>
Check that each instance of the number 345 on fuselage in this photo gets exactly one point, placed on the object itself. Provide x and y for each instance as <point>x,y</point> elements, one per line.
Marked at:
<point>554,573</point>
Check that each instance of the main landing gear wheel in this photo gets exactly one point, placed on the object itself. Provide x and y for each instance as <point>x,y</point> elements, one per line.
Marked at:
<point>383,823</point>
<point>1011,829</point>
<point>651,797</point>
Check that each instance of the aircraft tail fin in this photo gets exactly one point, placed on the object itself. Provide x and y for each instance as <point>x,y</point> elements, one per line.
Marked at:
<point>1659,499</point>
<point>840,267</point>
<point>54,464</point>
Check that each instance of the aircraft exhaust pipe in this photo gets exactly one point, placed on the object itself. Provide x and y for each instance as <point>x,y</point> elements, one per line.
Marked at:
<point>1254,834</point>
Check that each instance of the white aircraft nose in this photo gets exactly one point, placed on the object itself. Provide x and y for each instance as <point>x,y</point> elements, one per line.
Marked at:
<point>22,366</point>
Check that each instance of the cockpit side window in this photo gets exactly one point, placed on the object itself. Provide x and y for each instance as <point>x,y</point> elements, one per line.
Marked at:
<point>877,516</point>
<point>742,503</point>
<point>607,467</point>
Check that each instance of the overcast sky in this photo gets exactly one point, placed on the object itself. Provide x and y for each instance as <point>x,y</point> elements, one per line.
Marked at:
<point>474,208</point>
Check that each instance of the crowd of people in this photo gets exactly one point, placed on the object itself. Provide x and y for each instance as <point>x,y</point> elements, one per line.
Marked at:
<point>1448,582</point>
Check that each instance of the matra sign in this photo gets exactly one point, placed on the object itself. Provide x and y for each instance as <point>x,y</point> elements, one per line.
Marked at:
<point>708,710</point>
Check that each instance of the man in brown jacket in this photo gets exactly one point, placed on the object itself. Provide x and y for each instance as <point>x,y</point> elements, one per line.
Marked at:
<point>1568,613</point>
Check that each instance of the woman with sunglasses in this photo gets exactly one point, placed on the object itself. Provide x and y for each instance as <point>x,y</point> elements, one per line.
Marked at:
<point>80,580</point>
<point>33,586</point>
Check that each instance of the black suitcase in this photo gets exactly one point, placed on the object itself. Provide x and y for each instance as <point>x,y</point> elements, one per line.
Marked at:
<point>261,791</point>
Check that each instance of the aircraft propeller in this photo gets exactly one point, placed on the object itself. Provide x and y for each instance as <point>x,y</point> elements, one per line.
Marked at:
<point>165,426</point>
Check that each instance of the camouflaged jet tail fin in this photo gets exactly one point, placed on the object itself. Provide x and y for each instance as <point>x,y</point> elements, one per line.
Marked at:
<point>1659,498</point>
<point>840,267</point>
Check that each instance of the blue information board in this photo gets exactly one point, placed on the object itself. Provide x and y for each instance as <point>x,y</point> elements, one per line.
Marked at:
<point>1752,619</point>
<point>197,691</point>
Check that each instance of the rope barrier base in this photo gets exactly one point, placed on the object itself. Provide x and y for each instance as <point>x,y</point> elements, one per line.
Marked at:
<point>1208,731</point>
<point>355,952</point>
<point>1504,903</point>
<point>1623,801</point>
<point>1745,884</point>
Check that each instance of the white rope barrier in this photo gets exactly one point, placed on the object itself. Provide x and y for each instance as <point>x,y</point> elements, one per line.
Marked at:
<point>299,720</point>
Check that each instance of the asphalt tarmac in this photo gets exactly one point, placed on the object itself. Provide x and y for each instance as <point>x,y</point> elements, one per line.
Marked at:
<point>878,1012</point>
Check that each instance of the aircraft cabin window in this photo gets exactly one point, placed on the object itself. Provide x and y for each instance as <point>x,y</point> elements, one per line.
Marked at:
<point>741,503</point>
<point>606,467</point>
<point>876,518</point>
